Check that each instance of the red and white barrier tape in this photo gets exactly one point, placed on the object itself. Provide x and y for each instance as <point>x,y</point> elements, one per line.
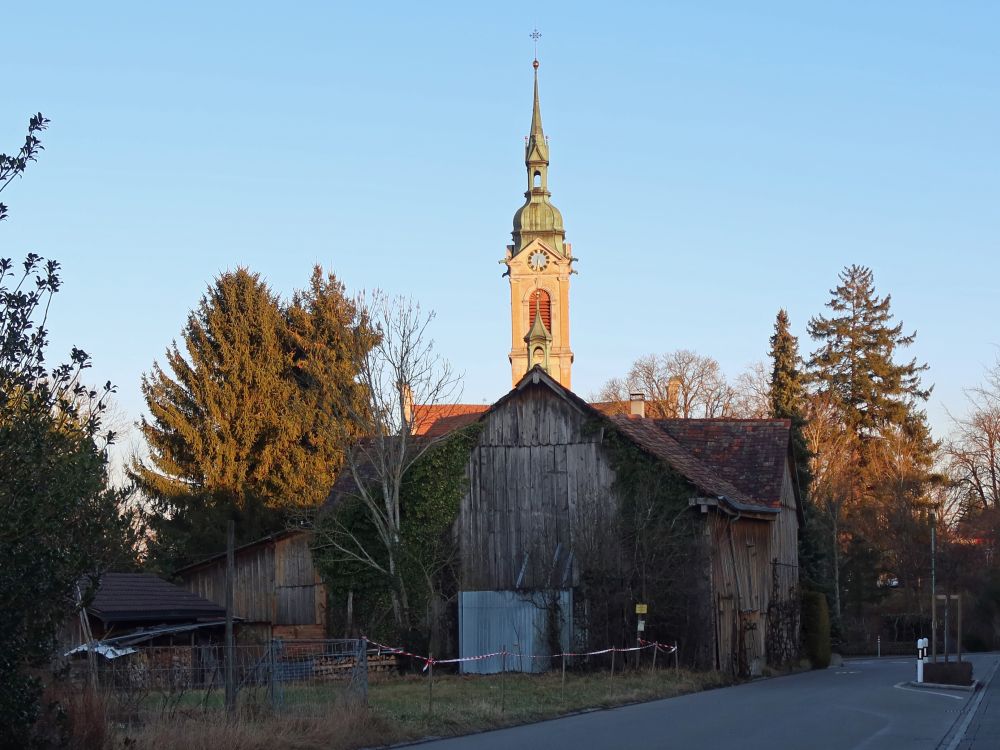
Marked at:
<point>661,647</point>
<point>428,661</point>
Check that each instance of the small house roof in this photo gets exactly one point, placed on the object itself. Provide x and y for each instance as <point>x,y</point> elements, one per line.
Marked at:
<point>135,597</point>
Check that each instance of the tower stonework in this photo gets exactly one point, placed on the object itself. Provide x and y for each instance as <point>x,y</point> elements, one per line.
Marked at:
<point>539,264</point>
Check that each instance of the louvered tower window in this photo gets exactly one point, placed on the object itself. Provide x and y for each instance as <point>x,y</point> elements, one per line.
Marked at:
<point>540,302</point>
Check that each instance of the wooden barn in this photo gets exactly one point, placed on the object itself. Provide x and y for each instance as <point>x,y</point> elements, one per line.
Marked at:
<point>277,591</point>
<point>543,501</point>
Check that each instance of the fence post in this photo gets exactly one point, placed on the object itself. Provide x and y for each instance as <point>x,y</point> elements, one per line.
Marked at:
<point>430,684</point>
<point>611,680</point>
<point>564,678</point>
<point>230,650</point>
<point>656,647</point>
<point>361,664</point>
<point>503,676</point>
<point>676,659</point>
<point>270,676</point>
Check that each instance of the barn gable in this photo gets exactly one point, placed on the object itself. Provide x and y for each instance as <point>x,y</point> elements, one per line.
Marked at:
<point>537,479</point>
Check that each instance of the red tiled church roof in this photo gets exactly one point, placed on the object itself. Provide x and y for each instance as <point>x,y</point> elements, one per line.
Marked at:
<point>435,420</point>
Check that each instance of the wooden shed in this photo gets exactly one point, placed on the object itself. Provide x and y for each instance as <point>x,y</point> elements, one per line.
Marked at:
<point>129,602</point>
<point>543,495</point>
<point>277,591</point>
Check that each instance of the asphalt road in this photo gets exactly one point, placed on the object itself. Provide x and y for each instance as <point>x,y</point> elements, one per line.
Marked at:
<point>860,706</point>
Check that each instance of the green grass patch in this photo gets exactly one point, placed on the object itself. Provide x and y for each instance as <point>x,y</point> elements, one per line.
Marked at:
<point>472,703</point>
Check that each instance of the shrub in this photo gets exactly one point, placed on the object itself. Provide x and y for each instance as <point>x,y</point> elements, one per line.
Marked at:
<point>816,629</point>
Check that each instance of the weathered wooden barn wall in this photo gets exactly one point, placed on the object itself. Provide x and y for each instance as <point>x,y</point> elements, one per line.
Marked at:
<point>749,557</point>
<point>541,501</point>
<point>253,582</point>
<point>299,591</point>
<point>277,590</point>
<point>785,539</point>
<point>741,573</point>
<point>539,487</point>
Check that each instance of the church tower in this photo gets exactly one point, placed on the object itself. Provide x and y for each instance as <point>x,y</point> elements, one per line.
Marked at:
<point>539,264</point>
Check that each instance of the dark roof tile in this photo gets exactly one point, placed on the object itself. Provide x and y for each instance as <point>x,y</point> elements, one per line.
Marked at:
<point>132,597</point>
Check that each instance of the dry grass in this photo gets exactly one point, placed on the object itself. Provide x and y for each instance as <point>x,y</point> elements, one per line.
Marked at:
<point>398,711</point>
<point>338,730</point>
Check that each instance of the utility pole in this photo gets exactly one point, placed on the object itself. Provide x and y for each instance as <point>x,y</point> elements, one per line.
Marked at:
<point>933,587</point>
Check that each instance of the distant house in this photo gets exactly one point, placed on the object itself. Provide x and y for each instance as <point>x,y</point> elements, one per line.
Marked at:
<point>542,487</point>
<point>277,592</point>
<point>141,604</point>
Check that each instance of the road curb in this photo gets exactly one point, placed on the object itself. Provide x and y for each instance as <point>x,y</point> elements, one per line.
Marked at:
<point>976,684</point>
<point>967,716</point>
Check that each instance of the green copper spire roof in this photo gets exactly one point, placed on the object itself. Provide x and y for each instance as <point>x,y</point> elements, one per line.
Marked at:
<point>538,218</point>
<point>538,330</point>
<point>536,140</point>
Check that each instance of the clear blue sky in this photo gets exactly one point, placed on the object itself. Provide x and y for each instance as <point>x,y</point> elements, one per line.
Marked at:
<point>713,162</point>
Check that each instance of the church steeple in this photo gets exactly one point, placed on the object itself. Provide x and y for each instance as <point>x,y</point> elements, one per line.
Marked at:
<point>539,264</point>
<point>536,155</point>
<point>538,218</point>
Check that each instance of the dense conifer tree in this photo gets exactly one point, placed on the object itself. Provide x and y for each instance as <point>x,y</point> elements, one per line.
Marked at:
<point>788,392</point>
<point>240,425</point>
<point>856,359</point>
<point>788,401</point>
<point>882,485</point>
<point>323,335</point>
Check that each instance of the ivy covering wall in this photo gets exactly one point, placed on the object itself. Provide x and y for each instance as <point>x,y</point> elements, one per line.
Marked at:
<point>662,560</point>
<point>431,495</point>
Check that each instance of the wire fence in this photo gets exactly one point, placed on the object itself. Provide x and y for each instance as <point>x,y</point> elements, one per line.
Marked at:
<point>298,677</point>
<point>301,677</point>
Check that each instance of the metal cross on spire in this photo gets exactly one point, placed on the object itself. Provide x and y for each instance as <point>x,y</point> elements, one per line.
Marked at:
<point>536,35</point>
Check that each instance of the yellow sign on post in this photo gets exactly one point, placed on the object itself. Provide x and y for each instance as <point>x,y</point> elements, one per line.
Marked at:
<point>641,609</point>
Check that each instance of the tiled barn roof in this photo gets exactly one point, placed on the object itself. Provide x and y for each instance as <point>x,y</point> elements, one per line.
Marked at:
<point>742,460</point>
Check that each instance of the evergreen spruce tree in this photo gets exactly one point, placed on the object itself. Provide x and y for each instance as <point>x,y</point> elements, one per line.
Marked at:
<point>877,401</point>
<point>323,330</point>
<point>788,401</point>
<point>856,359</point>
<point>240,426</point>
<point>788,392</point>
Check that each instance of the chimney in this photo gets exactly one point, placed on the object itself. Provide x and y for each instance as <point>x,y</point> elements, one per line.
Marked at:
<point>406,398</point>
<point>637,404</point>
<point>674,397</point>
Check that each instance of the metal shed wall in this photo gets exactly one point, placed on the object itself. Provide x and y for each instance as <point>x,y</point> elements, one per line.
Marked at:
<point>489,621</point>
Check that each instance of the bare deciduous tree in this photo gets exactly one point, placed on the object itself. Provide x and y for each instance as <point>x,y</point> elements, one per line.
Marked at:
<point>753,392</point>
<point>689,385</point>
<point>833,464</point>
<point>401,374</point>
<point>973,449</point>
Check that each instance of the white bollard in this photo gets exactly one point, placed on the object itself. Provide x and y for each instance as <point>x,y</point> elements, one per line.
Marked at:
<point>921,658</point>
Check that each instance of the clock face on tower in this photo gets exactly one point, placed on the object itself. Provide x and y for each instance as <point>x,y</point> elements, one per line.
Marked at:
<point>538,261</point>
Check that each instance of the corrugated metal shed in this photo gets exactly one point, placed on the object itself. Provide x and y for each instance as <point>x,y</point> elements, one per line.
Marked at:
<point>489,621</point>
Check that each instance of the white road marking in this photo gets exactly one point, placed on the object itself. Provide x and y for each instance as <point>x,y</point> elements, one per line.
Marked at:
<point>902,686</point>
